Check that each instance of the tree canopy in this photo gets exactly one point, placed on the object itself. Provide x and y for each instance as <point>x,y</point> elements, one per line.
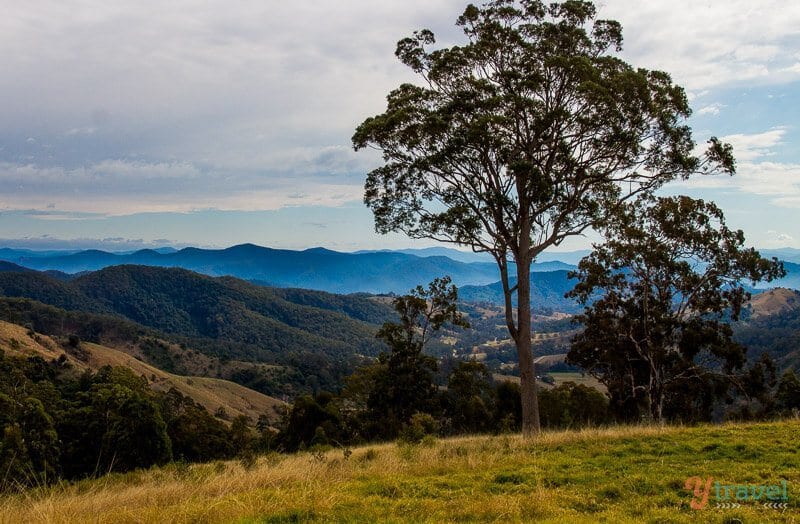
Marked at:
<point>530,132</point>
<point>660,294</point>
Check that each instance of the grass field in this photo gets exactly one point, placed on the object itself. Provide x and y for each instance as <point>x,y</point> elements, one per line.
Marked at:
<point>632,474</point>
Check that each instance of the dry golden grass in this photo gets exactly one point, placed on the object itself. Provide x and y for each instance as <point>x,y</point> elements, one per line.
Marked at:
<point>627,474</point>
<point>209,392</point>
<point>774,301</point>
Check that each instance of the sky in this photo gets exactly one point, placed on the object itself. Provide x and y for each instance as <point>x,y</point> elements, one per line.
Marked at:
<point>140,124</point>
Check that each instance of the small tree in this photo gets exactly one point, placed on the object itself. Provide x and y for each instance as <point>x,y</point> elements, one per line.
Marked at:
<point>524,136</point>
<point>401,383</point>
<point>788,393</point>
<point>659,296</point>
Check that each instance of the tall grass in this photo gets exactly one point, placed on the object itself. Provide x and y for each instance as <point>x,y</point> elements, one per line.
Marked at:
<point>622,474</point>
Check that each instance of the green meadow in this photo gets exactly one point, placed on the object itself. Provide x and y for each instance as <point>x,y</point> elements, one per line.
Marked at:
<point>623,474</point>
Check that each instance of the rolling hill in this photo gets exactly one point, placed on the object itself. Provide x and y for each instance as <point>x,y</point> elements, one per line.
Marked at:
<point>212,394</point>
<point>306,339</point>
<point>323,269</point>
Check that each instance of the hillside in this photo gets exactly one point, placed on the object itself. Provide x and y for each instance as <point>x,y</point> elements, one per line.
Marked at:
<point>774,302</point>
<point>180,301</point>
<point>773,327</point>
<point>547,292</point>
<point>627,474</point>
<point>212,394</point>
<point>275,374</point>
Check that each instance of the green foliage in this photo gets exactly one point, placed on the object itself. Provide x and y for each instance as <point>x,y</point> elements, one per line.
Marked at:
<point>788,393</point>
<point>659,296</point>
<point>316,338</point>
<point>470,398</point>
<point>573,405</point>
<point>196,436</point>
<point>420,425</point>
<point>54,424</point>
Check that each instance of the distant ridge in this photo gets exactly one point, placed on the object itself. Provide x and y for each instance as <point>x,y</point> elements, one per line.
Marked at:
<point>323,269</point>
<point>315,268</point>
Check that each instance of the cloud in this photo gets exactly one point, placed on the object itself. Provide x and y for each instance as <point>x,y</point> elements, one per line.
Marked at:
<point>712,109</point>
<point>757,172</point>
<point>252,107</point>
<point>776,236</point>
<point>48,243</point>
<point>748,147</point>
<point>792,69</point>
<point>713,43</point>
<point>118,187</point>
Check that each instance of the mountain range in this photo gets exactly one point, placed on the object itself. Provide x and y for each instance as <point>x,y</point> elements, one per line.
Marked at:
<point>321,269</point>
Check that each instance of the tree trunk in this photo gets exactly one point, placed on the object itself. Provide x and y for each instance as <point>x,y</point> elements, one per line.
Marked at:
<point>527,371</point>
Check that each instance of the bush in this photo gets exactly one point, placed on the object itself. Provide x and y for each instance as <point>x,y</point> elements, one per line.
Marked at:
<point>420,426</point>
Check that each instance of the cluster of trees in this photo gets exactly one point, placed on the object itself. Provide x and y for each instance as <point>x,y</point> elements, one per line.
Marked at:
<point>661,293</point>
<point>658,338</point>
<point>56,423</point>
<point>399,395</point>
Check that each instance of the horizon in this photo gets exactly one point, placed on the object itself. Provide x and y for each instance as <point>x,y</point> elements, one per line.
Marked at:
<point>64,248</point>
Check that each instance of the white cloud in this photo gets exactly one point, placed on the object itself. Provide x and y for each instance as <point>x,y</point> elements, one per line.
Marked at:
<point>756,53</point>
<point>757,172</point>
<point>792,69</point>
<point>778,237</point>
<point>711,109</point>
<point>252,105</point>
<point>754,146</point>
<point>712,43</point>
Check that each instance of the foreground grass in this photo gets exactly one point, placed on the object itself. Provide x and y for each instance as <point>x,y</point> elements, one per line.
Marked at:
<point>632,474</point>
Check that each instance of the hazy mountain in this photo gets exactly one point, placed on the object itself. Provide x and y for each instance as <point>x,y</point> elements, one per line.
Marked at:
<point>568,258</point>
<point>787,254</point>
<point>321,269</point>
<point>792,279</point>
<point>317,268</point>
<point>547,292</point>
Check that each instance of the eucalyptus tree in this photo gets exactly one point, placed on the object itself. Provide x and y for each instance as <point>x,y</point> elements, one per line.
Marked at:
<point>526,134</point>
<point>660,295</point>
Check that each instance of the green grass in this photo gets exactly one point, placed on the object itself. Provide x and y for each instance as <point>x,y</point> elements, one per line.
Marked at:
<point>627,474</point>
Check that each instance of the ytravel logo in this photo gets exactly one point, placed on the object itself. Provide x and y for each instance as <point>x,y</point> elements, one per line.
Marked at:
<point>724,496</point>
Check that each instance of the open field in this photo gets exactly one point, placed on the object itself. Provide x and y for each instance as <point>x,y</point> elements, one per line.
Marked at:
<point>634,474</point>
<point>578,378</point>
<point>560,378</point>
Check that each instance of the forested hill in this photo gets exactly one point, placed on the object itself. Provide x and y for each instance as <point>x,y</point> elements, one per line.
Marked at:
<point>309,335</point>
<point>183,302</point>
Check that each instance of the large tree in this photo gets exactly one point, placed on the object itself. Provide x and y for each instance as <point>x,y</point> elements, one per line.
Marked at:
<point>660,295</point>
<point>525,135</point>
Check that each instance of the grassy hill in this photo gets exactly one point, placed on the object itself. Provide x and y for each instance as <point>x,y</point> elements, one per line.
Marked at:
<point>774,302</point>
<point>210,393</point>
<point>628,474</point>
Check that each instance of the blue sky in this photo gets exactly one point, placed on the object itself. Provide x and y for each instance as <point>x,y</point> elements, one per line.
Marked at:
<point>217,123</point>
